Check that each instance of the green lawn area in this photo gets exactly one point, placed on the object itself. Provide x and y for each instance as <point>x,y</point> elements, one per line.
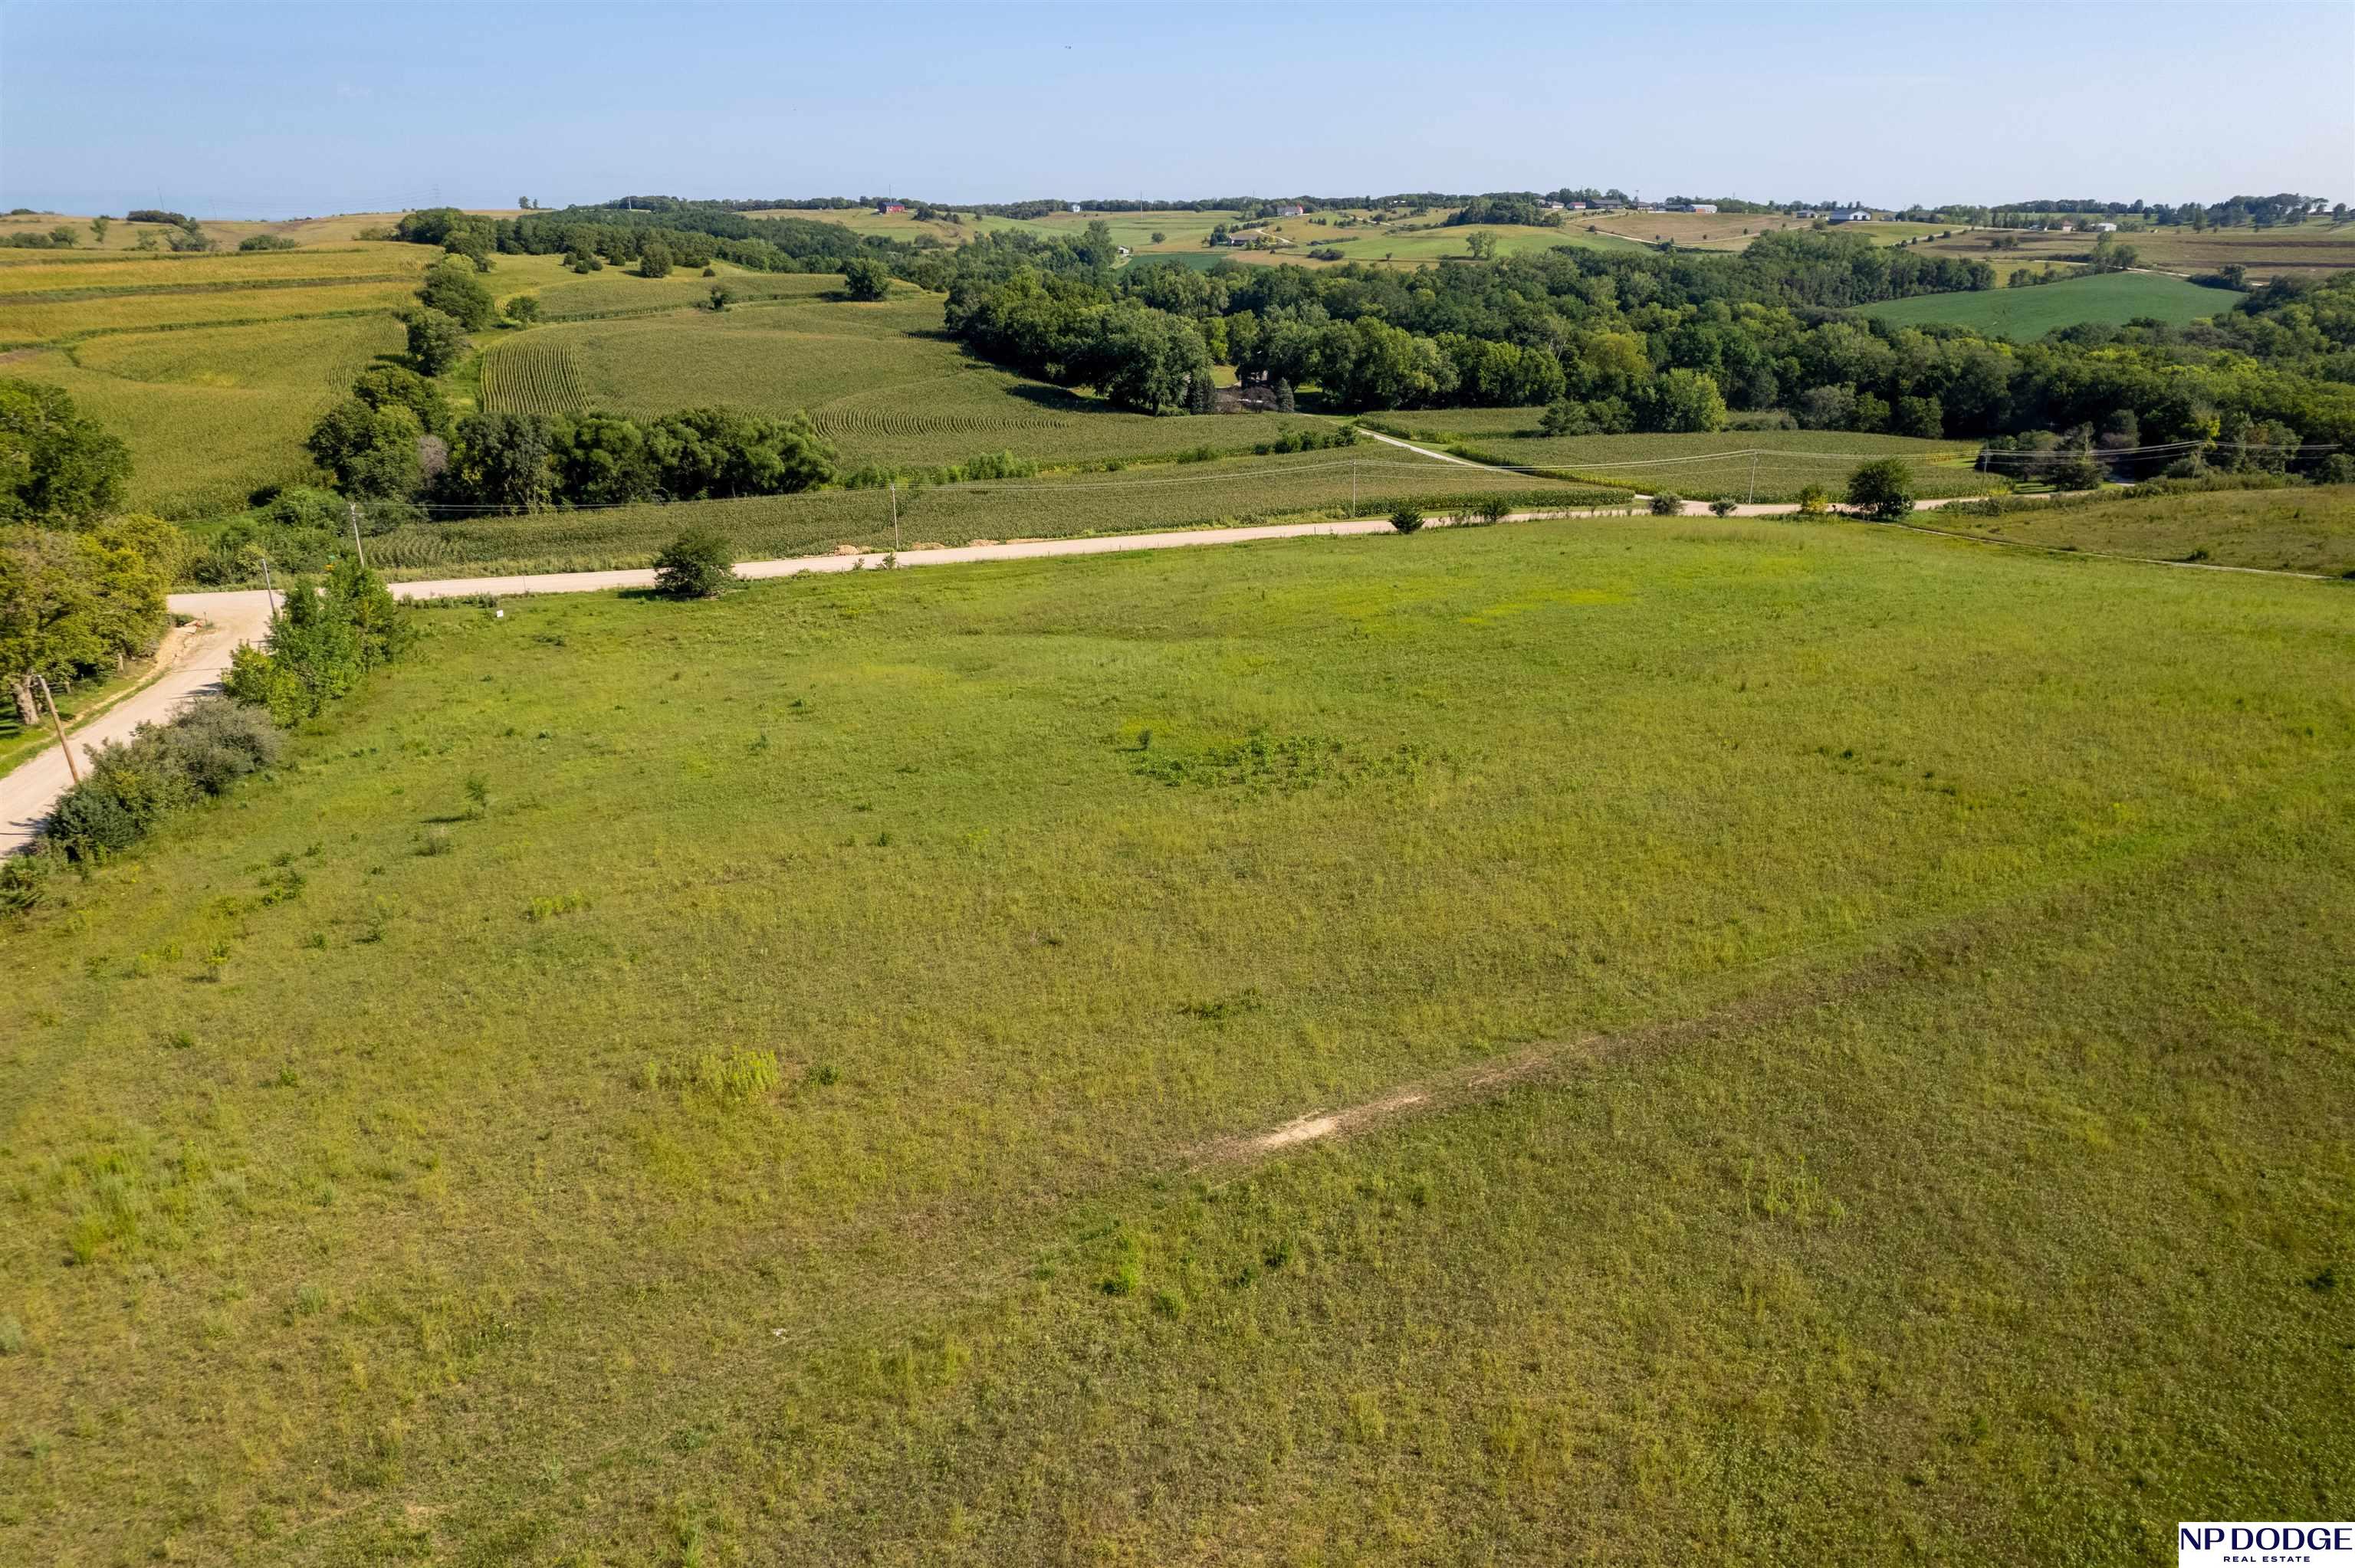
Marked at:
<point>2026,315</point>
<point>1882,1008</point>
<point>2301,529</point>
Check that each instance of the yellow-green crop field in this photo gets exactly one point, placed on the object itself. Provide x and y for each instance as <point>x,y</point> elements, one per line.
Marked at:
<point>1300,487</point>
<point>210,413</point>
<point>2301,249</point>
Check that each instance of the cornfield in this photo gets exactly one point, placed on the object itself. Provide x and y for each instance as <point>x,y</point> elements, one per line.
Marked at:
<point>537,375</point>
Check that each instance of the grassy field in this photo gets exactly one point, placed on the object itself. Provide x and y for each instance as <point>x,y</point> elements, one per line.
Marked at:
<point>804,1117</point>
<point>342,228</point>
<point>1691,464</point>
<point>212,412</point>
<point>2301,529</point>
<point>2303,250</point>
<point>2025,314</point>
<point>1307,486</point>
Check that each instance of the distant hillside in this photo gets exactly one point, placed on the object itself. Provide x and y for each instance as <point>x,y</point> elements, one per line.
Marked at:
<point>2026,315</point>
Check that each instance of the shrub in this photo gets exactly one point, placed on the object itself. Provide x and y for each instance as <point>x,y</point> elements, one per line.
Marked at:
<point>1492,509</point>
<point>1668,504</point>
<point>1815,501</point>
<point>1882,490</point>
<point>24,882</point>
<point>1722,507</point>
<point>865,277</point>
<point>131,785</point>
<point>1407,518</point>
<point>695,565</point>
<point>265,242</point>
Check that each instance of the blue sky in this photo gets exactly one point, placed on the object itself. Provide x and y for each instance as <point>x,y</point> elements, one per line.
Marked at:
<point>287,111</point>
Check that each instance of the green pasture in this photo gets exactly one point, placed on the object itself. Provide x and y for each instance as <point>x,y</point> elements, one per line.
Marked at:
<point>2025,314</point>
<point>2302,528</point>
<point>1879,1007</point>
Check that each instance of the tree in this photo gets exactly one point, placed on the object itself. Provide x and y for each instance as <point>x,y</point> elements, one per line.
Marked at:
<point>80,602</point>
<point>1923,416</point>
<point>1406,518</point>
<point>697,565</point>
<point>1667,504</point>
<point>1482,244</point>
<point>1685,400</point>
<point>451,288</point>
<point>1286,403</point>
<point>865,277</point>
<point>56,468</point>
<point>722,296</point>
<point>502,460</point>
<point>1882,490</point>
<point>524,309</point>
<point>705,452</point>
<point>99,225</point>
<point>1158,237</point>
<point>653,259</point>
<point>436,341</point>
<point>369,451</point>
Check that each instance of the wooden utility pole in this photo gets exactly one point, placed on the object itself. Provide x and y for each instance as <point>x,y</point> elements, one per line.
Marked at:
<point>59,725</point>
<point>893,486</point>
<point>269,586</point>
<point>356,550</point>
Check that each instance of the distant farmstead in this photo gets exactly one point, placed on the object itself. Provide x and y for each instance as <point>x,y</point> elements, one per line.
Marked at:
<point>1702,206</point>
<point>1850,215</point>
<point>1291,209</point>
<point>890,206</point>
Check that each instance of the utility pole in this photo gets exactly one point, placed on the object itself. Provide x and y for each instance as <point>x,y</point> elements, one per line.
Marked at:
<point>60,725</point>
<point>1754,476</point>
<point>268,588</point>
<point>362,554</point>
<point>893,486</point>
<point>1353,487</point>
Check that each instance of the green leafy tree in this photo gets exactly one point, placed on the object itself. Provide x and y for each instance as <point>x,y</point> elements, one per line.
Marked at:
<point>1685,400</point>
<point>502,460</point>
<point>1882,490</point>
<point>370,452</point>
<point>1406,518</point>
<point>451,288</point>
<point>436,342</point>
<point>99,225</point>
<point>865,277</point>
<point>57,467</point>
<point>524,309</point>
<point>653,259</point>
<point>698,563</point>
<point>702,452</point>
<point>1482,244</point>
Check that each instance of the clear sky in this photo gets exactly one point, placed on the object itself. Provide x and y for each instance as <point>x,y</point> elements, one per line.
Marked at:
<point>295,110</point>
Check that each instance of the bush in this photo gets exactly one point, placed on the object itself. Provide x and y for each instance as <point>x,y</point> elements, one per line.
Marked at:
<point>1882,490</point>
<point>695,565</point>
<point>1668,504</point>
<point>1407,519</point>
<point>1492,509</point>
<point>265,242</point>
<point>1815,501</point>
<point>133,784</point>
<point>1722,507</point>
<point>865,277</point>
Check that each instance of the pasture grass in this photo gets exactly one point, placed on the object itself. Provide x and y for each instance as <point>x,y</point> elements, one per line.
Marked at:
<point>792,1120</point>
<point>2024,315</point>
<point>2301,529</point>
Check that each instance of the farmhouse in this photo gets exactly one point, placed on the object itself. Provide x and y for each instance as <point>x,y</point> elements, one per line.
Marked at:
<point>2106,228</point>
<point>890,206</point>
<point>1850,215</point>
<point>1553,207</point>
<point>1291,209</point>
<point>1578,206</point>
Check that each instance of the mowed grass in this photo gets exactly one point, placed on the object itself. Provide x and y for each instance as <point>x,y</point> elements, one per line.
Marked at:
<point>1697,465</point>
<point>793,1122</point>
<point>1302,487</point>
<point>212,412</point>
<point>2301,529</point>
<point>2025,314</point>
